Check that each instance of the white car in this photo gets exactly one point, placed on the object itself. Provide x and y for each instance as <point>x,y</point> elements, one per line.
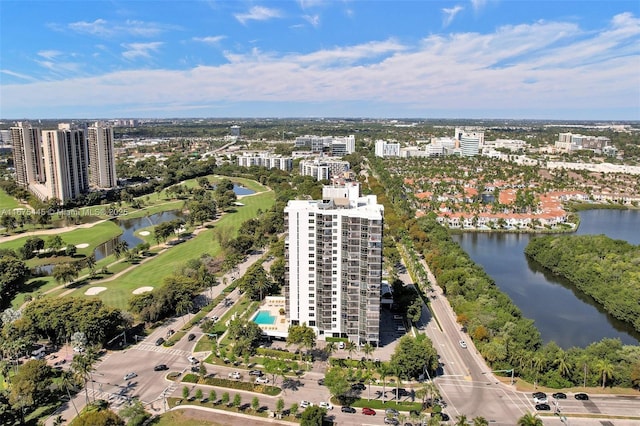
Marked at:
<point>78,349</point>
<point>542,400</point>
<point>192,359</point>
<point>463,344</point>
<point>234,375</point>
<point>130,376</point>
<point>262,379</point>
<point>305,404</point>
<point>341,345</point>
<point>326,405</point>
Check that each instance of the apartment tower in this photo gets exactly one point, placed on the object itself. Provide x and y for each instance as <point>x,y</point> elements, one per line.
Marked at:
<point>333,256</point>
<point>26,145</point>
<point>102,164</point>
<point>65,163</point>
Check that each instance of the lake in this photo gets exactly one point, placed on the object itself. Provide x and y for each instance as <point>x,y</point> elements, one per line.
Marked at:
<point>561,312</point>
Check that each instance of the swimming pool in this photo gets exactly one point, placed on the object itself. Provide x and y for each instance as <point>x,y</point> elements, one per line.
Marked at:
<point>264,318</point>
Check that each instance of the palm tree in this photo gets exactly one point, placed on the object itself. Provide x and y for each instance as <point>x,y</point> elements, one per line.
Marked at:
<point>530,419</point>
<point>461,420</point>
<point>384,371</point>
<point>90,263</point>
<point>351,347</point>
<point>66,382</point>
<point>82,368</point>
<point>562,363</point>
<point>605,370</point>
<point>368,349</point>
<point>480,421</point>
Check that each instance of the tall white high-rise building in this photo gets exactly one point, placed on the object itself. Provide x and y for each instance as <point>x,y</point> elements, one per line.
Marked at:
<point>334,263</point>
<point>102,164</point>
<point>65,163</point>
<point>27,154</point>
<point>470,141</point>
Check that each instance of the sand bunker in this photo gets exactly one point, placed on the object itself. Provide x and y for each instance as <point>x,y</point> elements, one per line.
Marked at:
<point>94,290</point>
<point>144,233</point>
<point>141,290</point>
<point>82,245</point>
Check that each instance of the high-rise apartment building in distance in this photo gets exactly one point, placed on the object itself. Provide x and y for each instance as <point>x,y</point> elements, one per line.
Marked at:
<point>65,163</point>
<point>470,142</point>
<point>102,164</point>
<point>333,254</point>
<point>26,145</point>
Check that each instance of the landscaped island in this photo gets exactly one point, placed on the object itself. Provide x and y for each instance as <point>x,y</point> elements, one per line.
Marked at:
<point>607,270</point>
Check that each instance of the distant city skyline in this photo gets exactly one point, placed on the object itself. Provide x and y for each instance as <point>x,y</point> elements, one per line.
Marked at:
<point>478,59</point>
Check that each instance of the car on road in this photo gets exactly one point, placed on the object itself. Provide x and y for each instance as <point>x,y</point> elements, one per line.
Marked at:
<point>255,373</point>
<point>321,382</point>
<point>160,367</point>
<point>349,410</point>
<point>159,341</point>
<point>191,337</point>
<point>443,416</point>
<point>543,407</point>
<point>540,400</point>
<point>341,345</point>
<point>463,344</point>
<point>234,375</point>
<point>391,421</point>
<point>192,359</point>
<point>305,404</point>
<point>539,395</point>
<point>582,396</point>
<point>391,412</point>
<point>170,332</point>
<point>559,395</point>
<point>400,392</point>
<point>130,376</point>
<point>262,380</point>
<point>358,386</point>
<point>326,405</point>
<point>368,411</point>
<point>214,318</point>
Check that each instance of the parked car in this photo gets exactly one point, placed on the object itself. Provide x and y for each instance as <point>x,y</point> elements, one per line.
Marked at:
<point>326,405</point>
<point>234,375</point>
<point>543,407</point>
<point>349,410</point>
<point>582,396</point>
<point>78,349</point>
<point>539,395</point>
<point>391,421</point>
<point>559,395</point>
<point>305,404</point>
<point>170,332</point>
<point>463,344</point>
<point>391,412</point>
<point>160,367</point>
<point>368,411</point>
<point>341,345</point>
<point>159,341</point>
<point>192,359</point>
<point>130,376</point>
<point>262,380</point>
<point>255,373</point>
<point>443,416</point>
<point>401,392</point>
<point>358,386</point>
<point>191,337</point>
<point>321,382</point>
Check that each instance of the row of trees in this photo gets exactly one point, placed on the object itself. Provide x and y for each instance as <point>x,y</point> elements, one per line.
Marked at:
<point>607,270</point>
<point>174,296</point>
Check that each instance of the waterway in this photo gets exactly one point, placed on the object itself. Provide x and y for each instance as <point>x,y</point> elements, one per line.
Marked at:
<point>561,312</point>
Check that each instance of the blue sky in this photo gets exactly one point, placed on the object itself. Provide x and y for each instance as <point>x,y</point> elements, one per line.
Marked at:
<point>516,59</point>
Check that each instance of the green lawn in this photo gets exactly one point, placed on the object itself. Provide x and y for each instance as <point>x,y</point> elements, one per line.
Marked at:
<point>7,202</point>
<point>152,272</point>
<point>93,236</point>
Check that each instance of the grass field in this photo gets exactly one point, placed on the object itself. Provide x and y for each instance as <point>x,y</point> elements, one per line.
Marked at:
<point>7,202</point>
<point>93,236</point>
<point>180,418</point>
<point>152,272</point>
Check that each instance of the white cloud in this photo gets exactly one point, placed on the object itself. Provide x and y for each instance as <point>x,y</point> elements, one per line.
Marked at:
<point>140,50</point>
<point>314,20</point>
<point>105,29</point>
<point>49,54</point>
<point>18,75</point>
<point>543,65</point>
<point>210,39</point>
<point>450,14</point>
<point>258,13</point>
<point>478,4</point>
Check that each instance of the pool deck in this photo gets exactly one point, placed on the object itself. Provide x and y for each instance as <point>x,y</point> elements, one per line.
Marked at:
<point>273,304</point>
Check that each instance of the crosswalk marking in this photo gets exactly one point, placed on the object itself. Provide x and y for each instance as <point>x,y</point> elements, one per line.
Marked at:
<point>153,348</point>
